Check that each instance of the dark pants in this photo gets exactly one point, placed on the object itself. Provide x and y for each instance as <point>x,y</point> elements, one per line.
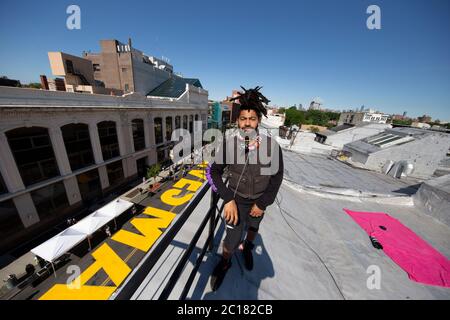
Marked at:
<point>234,233</point>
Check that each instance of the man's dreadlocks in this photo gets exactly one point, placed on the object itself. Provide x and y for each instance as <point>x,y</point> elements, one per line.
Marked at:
<point>252,99</point>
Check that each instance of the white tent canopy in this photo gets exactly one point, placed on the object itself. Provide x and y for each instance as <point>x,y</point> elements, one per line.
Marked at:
<point>58,245</point>
<point>114,208</point>
<point>55,247</point>
<point>102,216</point>
<point>90,224</point>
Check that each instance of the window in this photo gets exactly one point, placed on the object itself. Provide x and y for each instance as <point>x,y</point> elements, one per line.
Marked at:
<point>161,155</point>
<point>200,126</point>
<point>191,123</point>
<point>115,172</point>
<point>380,138</point>
<point>384,140</point>
<point>50,200</point>
<point>141,165</point>
<point>69,66</point>
<point>177,122</point>
<point>158,130</point>
<point>169,128</point>
<point>96,67</point>
<point>33,153</point>
<point>225,118</point>
<point>185,122</point>
<point>108,139</point>
<point>10,222</point>
<point>389,140</point>
<point>78,145</point>
<point>126,87</point>
<point>89,185</point>
<point>124,70</point>
<point>138,134</point>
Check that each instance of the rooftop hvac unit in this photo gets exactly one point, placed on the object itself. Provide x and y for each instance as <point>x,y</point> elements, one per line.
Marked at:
<point>401,169</point>
<point>387,167</point>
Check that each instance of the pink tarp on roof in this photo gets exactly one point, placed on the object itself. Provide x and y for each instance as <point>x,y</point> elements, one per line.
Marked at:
<point>420,260</point>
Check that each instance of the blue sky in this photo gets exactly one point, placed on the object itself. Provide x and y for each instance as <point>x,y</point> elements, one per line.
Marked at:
<point>296,50</point>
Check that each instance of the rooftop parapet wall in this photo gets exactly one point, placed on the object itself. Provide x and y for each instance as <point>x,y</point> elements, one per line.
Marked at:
<point>23,97</point>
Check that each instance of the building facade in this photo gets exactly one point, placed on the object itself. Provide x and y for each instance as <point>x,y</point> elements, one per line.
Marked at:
<point>424,119</point>
<point>78,75</point>
<point>220,115</point>
<point>315,105</point>
<point>122,67</point>
<point>357,118</point>
<point>61,151</point>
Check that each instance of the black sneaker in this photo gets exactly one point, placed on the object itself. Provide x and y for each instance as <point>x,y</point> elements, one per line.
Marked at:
<point>247,248</point>
<point>375,243</point>
<point>219,273</point>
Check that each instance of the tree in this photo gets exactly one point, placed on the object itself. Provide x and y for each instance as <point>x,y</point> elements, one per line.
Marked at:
<point>153,171</point>
<point>333,115</point>
<point>293,116</point>
<point>281,110</point>
<point>402,122</point>
<point>315,117</point>
<point>33,85</point>
<point>314,129</point>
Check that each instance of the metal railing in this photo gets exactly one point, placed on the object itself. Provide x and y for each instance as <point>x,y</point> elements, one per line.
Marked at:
<point>212,216</point>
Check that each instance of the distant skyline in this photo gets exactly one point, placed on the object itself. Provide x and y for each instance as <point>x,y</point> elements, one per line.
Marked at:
<point>296,50</point>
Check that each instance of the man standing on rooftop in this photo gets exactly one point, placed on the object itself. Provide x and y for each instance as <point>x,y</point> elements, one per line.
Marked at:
<point>255,172</point>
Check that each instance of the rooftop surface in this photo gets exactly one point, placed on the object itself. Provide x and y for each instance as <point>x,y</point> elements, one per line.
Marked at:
<point>320,171</point>
<point>308,247</point>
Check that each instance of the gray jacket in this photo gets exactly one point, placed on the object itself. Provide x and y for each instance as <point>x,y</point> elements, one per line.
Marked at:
<point>260,178</point>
